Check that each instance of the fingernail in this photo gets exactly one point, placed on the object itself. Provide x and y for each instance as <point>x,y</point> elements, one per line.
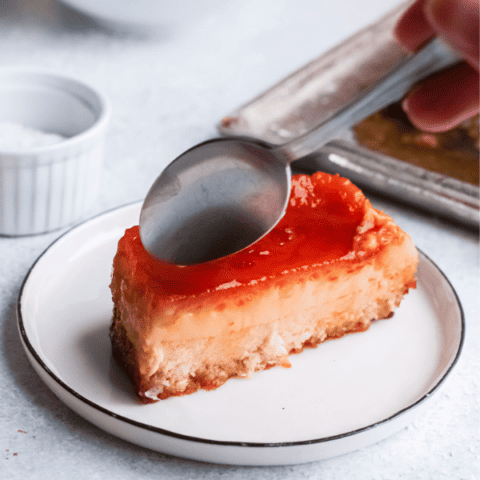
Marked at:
<point>406,105</point>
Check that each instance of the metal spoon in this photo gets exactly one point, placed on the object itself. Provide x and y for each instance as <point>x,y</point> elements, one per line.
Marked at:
<point>224,194</point>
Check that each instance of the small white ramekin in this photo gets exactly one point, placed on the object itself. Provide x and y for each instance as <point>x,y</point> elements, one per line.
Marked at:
<point>49,187</point>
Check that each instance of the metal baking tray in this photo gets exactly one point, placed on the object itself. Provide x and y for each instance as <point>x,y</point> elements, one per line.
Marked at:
<point>299,102</point>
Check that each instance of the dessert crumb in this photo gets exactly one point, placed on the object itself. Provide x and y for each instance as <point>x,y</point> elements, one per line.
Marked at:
<point>227,122</point>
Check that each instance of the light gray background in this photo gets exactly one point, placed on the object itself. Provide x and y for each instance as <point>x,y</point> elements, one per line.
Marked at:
<point>167,93</point>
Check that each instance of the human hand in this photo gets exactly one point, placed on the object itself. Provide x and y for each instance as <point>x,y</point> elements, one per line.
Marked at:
<point>447,98</point>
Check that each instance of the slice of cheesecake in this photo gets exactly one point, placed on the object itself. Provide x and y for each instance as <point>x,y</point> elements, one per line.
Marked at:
<point>330,267</point>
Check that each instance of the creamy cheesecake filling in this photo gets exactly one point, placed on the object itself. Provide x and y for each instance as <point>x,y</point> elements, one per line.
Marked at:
<point>183,321</point>
<point>247,314</point>
<point>371,292</point>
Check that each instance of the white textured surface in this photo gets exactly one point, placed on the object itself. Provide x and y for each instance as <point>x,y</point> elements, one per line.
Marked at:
<point>167,93</point>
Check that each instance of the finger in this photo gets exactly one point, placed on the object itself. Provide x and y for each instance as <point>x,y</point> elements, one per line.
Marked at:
<point>444,100</point>
<point>458,22</point>
<point>413,29</point>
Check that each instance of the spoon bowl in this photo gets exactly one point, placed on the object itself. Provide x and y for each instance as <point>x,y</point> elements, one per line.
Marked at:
<point>215,199</point>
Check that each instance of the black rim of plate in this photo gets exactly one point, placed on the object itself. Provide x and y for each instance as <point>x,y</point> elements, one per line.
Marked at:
<point>194,439</point>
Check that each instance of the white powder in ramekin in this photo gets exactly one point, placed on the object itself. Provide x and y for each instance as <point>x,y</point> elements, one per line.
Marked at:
<point>14,136</point>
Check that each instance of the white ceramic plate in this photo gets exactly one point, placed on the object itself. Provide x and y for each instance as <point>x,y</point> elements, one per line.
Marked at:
<point>342,396</point>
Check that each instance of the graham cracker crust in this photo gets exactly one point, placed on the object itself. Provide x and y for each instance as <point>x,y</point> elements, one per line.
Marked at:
<point>211,377</point>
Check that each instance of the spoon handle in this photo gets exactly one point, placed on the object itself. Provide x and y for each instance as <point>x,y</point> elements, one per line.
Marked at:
<point>393,86</point>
